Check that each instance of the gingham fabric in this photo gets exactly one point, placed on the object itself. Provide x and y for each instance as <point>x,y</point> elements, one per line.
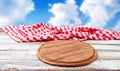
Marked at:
<point>42,32</point>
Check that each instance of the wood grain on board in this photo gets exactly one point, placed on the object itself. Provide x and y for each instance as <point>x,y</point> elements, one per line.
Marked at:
<point>67,53</point>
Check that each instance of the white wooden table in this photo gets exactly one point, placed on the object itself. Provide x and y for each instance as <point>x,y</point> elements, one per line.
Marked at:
<point>22,56</point>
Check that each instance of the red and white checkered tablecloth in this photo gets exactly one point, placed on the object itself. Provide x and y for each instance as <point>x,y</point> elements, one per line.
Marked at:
<point>41,32</point>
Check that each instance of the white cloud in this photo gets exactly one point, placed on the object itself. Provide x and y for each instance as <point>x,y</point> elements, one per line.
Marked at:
<point>14,10</point>
<point>99,11</point>
<point>64,13</point>
<point>117,27</point>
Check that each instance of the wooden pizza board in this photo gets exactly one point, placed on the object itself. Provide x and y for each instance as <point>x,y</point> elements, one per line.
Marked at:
<point>67,53</point>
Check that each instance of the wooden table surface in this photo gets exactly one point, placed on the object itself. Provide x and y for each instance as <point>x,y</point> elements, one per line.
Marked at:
<point>22,56</point>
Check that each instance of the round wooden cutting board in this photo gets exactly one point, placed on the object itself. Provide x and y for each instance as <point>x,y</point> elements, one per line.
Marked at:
<point>67,53</point>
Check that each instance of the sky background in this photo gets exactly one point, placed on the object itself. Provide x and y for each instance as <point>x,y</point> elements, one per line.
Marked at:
<point>103,14</point>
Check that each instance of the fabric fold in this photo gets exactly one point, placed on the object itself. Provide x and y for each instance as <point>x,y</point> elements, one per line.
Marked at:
<point>41,32</point>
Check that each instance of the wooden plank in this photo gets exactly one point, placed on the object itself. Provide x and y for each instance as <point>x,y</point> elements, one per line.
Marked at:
<point>20,46</point>
<point>4,55</point>
<point>6,39</point>
<point>109,55</point>
<point>36,45</point>
<point>35,64</point>
<point>106,47</point>
<point>15,55</point>
<point>104,42</point>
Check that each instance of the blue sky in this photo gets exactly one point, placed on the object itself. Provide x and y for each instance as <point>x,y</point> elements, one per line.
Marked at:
<point>103,14</point>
